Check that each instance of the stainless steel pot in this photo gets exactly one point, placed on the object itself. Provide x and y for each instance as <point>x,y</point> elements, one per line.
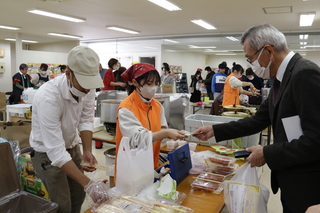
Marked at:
<point>109,110</point>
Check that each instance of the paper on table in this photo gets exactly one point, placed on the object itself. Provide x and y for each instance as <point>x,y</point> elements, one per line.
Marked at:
<point>292,127</point>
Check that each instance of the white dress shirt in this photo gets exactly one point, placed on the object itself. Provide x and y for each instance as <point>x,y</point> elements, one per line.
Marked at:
<point>57,119</point>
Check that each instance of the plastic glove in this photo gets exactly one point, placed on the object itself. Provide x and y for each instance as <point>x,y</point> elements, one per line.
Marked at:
<point>97,191</point>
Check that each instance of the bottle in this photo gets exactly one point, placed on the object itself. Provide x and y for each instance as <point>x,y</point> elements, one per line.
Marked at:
<point>28,113</point>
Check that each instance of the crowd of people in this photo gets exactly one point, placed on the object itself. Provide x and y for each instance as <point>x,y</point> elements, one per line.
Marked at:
<point>70,98</point>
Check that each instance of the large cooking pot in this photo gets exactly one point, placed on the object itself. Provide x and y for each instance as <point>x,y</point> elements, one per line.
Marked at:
<point>235,114</point>
<point>109,110</point>
<point>238,108</point>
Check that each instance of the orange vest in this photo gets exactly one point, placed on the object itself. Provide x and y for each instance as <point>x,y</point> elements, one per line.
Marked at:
<point>149,117</point>
<point>230,95</point>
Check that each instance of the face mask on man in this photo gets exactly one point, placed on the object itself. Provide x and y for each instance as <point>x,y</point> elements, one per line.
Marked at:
<point>148,92</point>
<point>251,78</point>
<point>262,72</point>
<point>43,72</point>
<point>74,90</point>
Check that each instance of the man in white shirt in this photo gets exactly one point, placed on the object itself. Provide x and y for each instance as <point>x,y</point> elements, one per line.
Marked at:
<point>63,108</point>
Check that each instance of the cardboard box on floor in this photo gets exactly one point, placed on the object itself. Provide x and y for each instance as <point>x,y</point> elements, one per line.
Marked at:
<point>12,198</point>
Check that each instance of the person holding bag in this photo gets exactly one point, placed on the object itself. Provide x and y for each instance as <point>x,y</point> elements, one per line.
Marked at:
<point>139,113</point>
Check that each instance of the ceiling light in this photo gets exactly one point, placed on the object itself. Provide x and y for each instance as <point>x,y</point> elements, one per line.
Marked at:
<point>172,41</point>
<point>210,50</point>
<point>303,37</point>
<point>166,5</point>
<point>226,54</point>
<point>312,46</point>
<point>303,43</point>
<point>10,28</point>
<point>203,24</point>
<point>197,47</point>
<point>232,38</point>
<point>153,48</point>
<point>65,35</point>
<point>58,16</point>
<point>27,41</point>
<point>306,19</point>
<point>121,29</point>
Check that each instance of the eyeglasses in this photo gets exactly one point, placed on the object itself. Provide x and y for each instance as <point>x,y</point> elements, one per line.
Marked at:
<point>249,57</point>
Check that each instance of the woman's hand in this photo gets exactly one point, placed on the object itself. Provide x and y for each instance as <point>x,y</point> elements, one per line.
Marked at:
<point>175,134</point>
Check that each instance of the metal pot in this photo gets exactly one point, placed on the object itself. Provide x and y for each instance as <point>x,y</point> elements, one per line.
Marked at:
<point>109,110</point>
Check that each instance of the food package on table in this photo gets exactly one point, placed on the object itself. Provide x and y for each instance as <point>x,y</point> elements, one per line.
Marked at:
<point>223,160</point>
<point>207,186</point>
<point>135,205</point>
<point>212,176</point>
<point>220,169</point>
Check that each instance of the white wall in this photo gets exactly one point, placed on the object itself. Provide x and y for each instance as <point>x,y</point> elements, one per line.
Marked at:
<point>189,62</point>
<point>313,56</point>
<point>215,60</point>
<point>6,77</point>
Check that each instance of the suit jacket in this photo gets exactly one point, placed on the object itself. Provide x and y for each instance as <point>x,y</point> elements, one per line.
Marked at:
<point>294,164</point>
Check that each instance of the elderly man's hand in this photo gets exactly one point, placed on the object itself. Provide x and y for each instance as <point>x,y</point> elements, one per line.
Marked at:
<point>256,158</point>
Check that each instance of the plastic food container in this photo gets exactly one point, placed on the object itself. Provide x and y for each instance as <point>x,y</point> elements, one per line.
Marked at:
<point>207,186</point>
<point>220,169</point>
<point>170,144</point>
<point>223,160</point>
<point>192,146</point>
<point>212,176</point>
<point>12,199</point>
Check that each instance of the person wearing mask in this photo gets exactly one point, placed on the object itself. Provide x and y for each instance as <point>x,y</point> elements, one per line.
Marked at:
<point>196,78</point>
<point>42,76</point>
<point>166,78</point>
<point>108,78</point>
<point>218,81</point>
<point>233,87</point>
<point>118,78</point>
<point>21,81</point>
<point>258,84</point>
<point>140,113</point>
<point>62,117</point>
<point>294,154</point>
<point>208,81</point>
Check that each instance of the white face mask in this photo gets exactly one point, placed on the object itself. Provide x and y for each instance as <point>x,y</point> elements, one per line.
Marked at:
<point>251,78</point>
<point>74,90</point>
<point>262,72</point>
<point>43,72</point>
<point>148,92</point>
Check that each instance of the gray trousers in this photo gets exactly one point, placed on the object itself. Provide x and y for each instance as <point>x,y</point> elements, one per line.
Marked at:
<point>64,191</point>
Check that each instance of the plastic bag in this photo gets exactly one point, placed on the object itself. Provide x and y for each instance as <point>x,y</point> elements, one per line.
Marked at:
<point>244,193</point>
<point>198,163</point>
<point>134,166</point>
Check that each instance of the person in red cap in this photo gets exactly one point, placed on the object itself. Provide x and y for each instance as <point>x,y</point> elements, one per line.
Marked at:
<point>140,113</point>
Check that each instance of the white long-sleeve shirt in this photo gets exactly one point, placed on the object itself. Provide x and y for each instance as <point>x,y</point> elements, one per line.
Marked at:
<point>131,127</point>
<point>57,119</point>
<point>235,83</point>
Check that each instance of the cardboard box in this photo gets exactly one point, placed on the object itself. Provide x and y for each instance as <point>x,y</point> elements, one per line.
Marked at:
<point>167,88</point>
<point>12,199</point>
<point>30,182</point>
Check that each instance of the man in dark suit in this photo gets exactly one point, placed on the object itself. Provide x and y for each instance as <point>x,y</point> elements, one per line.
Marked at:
<point>293,158</point>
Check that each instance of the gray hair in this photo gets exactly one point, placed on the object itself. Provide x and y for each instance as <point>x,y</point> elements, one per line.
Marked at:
<point>264,34</point>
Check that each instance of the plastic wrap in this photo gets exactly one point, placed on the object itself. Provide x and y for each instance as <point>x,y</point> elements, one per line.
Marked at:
<point>207,186</point>
<point>198,163</point>
<point>212,176</point>
<point>223,160</point>
<point>14,147</point>
<point>220,169</point>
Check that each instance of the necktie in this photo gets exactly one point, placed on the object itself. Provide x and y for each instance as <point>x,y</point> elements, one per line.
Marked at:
<point>276,86</point>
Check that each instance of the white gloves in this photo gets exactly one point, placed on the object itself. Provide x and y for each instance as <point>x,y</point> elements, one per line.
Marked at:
<point>97,191</point>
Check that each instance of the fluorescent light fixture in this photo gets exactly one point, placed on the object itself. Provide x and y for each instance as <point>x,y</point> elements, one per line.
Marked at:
<point>232,38</point>
<point>26,41</point>
<point>310,46</point>
<point>121,29</point>
<point>197,47</point>
<point>65,35</point>
<point>306,19</point>
<point>303,37</point>
<point>10,28</point>
<point>203,24</point>
<point>302,47</point>
<point>220,51</point>
<point>172,41</point>
<point>56,15</point>
<point>226,54</point>
<point>166,5</point>
<point>152,48</point>
<point>170,51</point>
<point>303,43</point>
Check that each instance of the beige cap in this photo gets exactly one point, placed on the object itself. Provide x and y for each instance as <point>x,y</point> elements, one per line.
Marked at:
<point>84,62</point>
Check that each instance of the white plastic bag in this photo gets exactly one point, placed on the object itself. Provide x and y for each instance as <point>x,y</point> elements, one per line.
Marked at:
<point>134,166</point>
<point>244,193</point>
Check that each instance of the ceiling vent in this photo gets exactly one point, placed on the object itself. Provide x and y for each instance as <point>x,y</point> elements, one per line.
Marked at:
<point>277,10</point>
